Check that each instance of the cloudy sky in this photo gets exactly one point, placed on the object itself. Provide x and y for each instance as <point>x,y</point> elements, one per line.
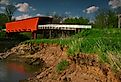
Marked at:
<point>85,8</point>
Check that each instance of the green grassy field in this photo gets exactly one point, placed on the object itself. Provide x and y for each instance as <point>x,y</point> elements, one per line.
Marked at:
<point>106,43</point>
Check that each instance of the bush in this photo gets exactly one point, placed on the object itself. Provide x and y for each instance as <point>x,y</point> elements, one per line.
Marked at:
<point>2,34</point>
<point>62,65</point>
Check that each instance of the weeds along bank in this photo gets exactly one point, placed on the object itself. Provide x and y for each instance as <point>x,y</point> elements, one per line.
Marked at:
<point>77,50</point>
<point>56,65</point>
<point>104,42</point>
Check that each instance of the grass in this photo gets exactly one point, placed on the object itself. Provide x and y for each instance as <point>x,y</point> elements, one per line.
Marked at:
<point>104,42</point>
<point>2,34</point>
<point>62,65</point>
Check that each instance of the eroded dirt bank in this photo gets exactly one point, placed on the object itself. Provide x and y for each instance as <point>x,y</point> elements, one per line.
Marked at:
<point>81,68</point>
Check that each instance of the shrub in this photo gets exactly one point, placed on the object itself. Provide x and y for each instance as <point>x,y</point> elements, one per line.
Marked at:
<point>62,65</point>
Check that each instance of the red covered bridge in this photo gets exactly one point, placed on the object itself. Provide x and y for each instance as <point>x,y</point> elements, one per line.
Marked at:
<point>41,24</point>
<point>27,25</point>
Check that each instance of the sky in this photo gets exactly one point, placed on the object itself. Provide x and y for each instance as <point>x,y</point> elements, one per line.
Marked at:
<point>72,8</point>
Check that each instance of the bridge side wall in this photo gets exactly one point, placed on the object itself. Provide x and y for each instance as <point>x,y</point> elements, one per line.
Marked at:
<point>27,25</point>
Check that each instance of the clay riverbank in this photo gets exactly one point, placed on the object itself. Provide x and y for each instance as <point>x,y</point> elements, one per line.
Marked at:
<point>81,68</point>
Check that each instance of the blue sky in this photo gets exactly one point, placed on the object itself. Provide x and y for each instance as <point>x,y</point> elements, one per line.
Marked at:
<point>73,7</point>
<point>85,8</point>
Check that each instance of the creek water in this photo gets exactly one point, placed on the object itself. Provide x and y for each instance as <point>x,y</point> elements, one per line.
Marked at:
<point>12,72</point>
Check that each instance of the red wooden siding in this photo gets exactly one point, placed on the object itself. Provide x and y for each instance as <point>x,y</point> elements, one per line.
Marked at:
<point>26,25</point>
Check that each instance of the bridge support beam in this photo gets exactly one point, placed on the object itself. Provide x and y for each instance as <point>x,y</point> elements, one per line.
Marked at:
<point>34,35</point>
<point>6,35</point>
<point>50,34</point>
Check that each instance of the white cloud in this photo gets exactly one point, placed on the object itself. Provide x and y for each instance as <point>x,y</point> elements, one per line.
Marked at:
<point>2,8</point>
<point>67,13</point>
<point>22,7</point>
<point>54,13</point>
<point>32,8</point>
<point>115,3</point>
<point>24,16</point>
<point>91,9</point>
<point>39,14</point>
<point>92,21</point>
<point>76,16</point>
<point>4,2</point>
<point>1,11</point>
<point>13,17</point>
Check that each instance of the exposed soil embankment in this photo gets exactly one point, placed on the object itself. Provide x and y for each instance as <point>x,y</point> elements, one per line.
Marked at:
<point>81,68</point>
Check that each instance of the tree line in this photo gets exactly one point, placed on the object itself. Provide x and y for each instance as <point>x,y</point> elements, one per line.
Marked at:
<point>103,19</point>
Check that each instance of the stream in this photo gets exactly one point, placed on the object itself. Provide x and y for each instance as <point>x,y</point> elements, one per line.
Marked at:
<point>12,72</point>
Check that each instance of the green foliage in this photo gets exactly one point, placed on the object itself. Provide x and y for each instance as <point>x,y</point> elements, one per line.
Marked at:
<point>104,42</point>
<point>3,20</point>
<point>9,11</point>
<point>61,42</point>
<point>88,41</point>
<point>106,19</point>
<point>1,27</point>
<point>74,47</point>
<point>79,20</point>
<point>101,42</point>
<point>7,15</point>
<point>26,35</point>
<point>62,65</point>
<point>2,34</point>
<point>57,18</point>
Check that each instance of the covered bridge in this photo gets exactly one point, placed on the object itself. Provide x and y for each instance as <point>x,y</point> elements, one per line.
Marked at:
<point>42,25</point>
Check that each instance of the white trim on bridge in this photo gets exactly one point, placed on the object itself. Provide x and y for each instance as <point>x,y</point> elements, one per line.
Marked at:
<point>63,26</point>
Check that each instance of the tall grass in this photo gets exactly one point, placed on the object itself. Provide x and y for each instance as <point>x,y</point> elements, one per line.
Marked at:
<point>104,42</point>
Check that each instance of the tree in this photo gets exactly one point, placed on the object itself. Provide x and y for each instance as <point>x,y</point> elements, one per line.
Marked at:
<point>112,19</point>
<point>7,15</point>
<point>76,20</point>
<point>57,18</point>
<point>3,20</point>
<point>9,11</point>
<point>106,19</point>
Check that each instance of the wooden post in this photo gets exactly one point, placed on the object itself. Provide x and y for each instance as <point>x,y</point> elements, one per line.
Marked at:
<point>119,20</point>
<point>78,30</point>
<point>42,33</point>
<point>62,33</point>
<point>75,31</point>
<point>119,23</point>
<point>34,35</point>
<point>50,33</point>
